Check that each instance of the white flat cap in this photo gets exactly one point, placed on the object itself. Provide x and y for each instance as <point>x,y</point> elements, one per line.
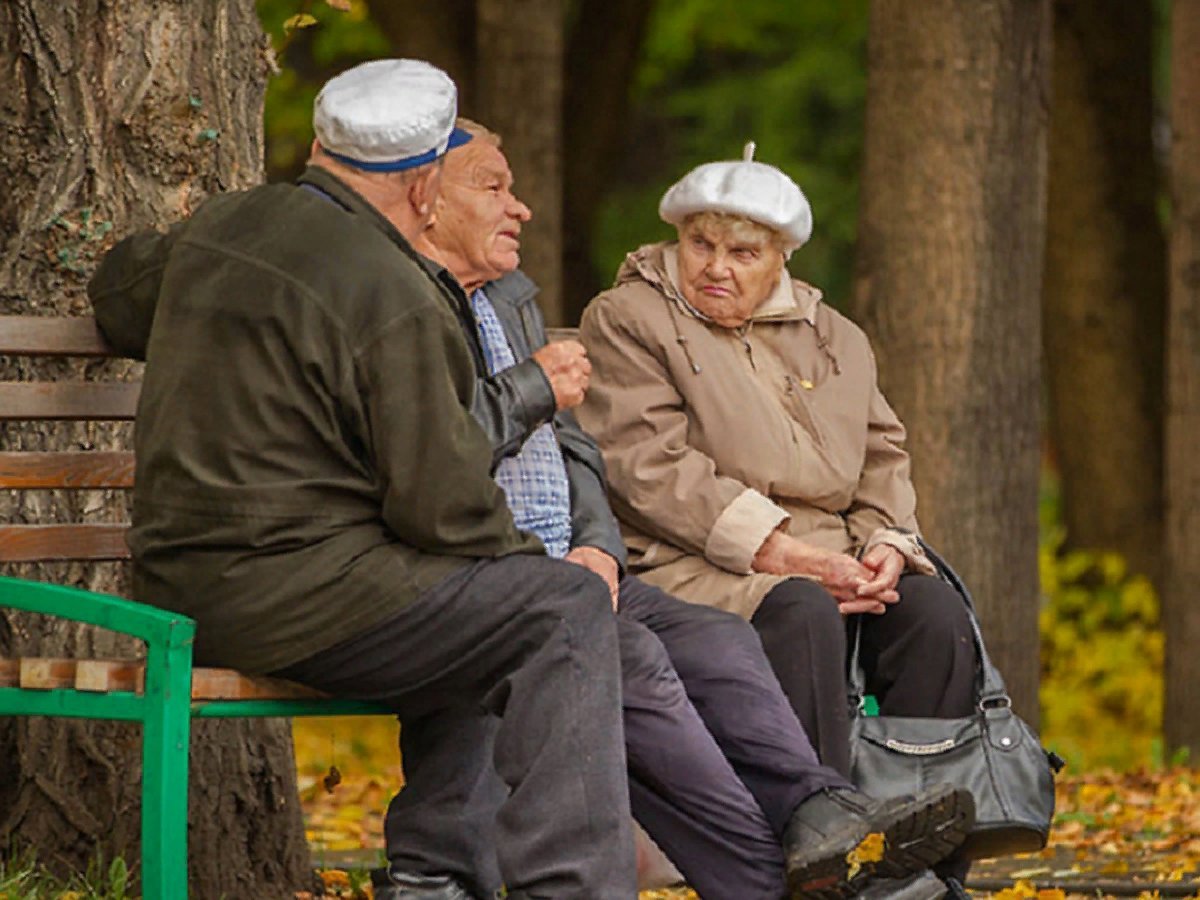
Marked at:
<point>752,189</point>
<point>388,114</point>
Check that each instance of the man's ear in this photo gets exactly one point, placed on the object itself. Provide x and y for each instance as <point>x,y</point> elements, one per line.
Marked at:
<point>423,191</point>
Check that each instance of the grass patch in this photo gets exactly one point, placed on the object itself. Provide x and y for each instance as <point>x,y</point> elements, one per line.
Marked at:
<point>23,878</point>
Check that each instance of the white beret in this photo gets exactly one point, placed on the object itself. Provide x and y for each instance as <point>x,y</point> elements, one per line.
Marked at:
<point>752,189</point>
<point>388,114</point>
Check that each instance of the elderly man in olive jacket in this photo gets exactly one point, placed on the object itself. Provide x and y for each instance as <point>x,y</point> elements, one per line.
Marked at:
<point>312,489</point>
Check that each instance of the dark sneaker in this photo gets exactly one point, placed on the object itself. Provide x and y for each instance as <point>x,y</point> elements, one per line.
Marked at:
<point>390,884</point>
<point>837,840</point>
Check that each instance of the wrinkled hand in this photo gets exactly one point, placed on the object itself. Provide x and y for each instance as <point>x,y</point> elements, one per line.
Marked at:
<point>596,560</point>
<point>839,573</point>
<point>887,565</point>
<point>568,370</point>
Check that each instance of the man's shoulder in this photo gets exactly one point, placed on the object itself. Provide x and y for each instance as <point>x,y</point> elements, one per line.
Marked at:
<point>515,289</point>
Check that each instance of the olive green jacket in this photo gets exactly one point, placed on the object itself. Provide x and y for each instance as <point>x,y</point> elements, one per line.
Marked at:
<point>306,460</point>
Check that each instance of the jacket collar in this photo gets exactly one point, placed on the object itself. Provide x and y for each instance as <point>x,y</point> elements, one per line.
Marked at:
<point>657,264</point>
<point>514,288</point>
<point>355,204</point>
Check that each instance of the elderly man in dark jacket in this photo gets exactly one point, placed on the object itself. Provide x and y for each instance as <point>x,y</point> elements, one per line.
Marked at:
<point>312,489</point>
<point>721,773</point>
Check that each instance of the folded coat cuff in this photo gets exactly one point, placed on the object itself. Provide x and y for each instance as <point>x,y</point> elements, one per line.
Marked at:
<point>910,548</point>
<point>740,530</point>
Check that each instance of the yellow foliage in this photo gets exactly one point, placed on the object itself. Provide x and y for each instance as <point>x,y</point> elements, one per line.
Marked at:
<point>1101,659</point>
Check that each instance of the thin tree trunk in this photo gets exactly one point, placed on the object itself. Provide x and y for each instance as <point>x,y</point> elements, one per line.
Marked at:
<point>1105,281</point>
<point>115,116</point>
<point>597,104</point>
<point>1181,598</point>
<point>519,86</point>
<point>949,271</point>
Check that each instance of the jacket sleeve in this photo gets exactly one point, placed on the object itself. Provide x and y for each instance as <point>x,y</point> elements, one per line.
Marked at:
<point>884,507</point>
<point>124,289</point>
<point>418,380</point>
<point>511,405</point>
<point>660,484</point>
<point>592,521</point>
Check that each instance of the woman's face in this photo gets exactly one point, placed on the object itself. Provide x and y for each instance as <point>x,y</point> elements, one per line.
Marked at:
<point>725,275</point>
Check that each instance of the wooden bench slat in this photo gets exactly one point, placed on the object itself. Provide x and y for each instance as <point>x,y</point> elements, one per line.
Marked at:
<point>52,336</point>
<point>56,543</point>
<point>101,676</point>
<point>105,675</point>
<point>227,684</point>
<point>68,400</point>
<point>70,469</point>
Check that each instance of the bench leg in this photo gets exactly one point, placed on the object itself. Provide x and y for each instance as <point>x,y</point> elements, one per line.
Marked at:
<point>165,739</point>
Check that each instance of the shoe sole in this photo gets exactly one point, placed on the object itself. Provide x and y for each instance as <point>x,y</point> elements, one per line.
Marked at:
<point>914,839</point>
<point>925,835</point>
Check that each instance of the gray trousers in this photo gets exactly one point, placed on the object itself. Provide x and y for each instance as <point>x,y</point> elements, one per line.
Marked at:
<point>717,760</point>
<point>531,641</point>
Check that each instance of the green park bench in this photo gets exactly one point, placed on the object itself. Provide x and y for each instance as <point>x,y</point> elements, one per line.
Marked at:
<point>162,690</point>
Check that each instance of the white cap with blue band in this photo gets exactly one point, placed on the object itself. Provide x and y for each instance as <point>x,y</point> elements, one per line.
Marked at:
<point>388,115</point>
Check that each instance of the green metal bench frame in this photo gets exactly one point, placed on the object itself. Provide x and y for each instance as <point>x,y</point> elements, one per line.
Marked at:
<point>165,710</point>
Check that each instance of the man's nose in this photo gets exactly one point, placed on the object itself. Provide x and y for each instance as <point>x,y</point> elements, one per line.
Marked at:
<point>520,211</point>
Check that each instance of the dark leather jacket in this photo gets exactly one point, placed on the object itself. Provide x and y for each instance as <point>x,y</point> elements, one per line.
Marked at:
<point>512,404</point>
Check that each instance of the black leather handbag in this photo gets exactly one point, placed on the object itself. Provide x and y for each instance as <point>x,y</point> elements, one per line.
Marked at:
<point>991,752</point>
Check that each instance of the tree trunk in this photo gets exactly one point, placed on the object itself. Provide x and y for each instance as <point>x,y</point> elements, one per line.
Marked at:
<point>519,86</point>
<point>949,270</point>
<point>120,116</point>
<point>1105,281</point>
<point>443,33</point>
<point>598,101</point>
<point>1181,597</point>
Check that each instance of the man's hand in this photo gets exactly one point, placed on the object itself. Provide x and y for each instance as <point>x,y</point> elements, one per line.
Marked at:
<point>596,560</point>
<point>567,368</point>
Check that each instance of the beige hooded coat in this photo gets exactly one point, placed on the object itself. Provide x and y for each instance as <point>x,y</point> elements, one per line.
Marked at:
<point>713,436</point>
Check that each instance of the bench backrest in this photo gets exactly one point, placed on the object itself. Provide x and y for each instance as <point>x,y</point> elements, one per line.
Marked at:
<point>72,400</point>
<point>63,400</point>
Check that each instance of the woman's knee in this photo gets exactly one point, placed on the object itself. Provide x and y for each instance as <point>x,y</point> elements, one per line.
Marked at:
<point>800,606</point>
<point>934,608</point>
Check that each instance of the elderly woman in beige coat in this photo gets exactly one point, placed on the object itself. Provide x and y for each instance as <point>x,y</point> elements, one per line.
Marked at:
<point>754,463</point>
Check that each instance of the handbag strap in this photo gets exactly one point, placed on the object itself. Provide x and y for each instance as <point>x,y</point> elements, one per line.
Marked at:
<point>989,685</point>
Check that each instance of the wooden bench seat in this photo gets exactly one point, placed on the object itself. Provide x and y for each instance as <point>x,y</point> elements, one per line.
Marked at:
<point>103,676</point>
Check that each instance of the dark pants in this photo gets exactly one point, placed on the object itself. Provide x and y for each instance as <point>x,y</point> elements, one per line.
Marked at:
<point>717,760</point>
<point>531,642</point>
<point>919,657</point>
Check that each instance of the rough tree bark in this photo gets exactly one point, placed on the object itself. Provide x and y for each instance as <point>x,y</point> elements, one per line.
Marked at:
<point>1105,281</point>
<point>1181,597</point>
<point>519,91</point>
<point>949,271</point>
<point>115,116</point>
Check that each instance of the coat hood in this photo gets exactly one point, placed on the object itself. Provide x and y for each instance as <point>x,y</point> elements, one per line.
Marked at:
<point>792,300</point>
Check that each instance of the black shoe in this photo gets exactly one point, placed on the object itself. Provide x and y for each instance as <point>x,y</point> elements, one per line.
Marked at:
<point>822,840</point>
<point>390,884</point>
<point>922,886</point>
